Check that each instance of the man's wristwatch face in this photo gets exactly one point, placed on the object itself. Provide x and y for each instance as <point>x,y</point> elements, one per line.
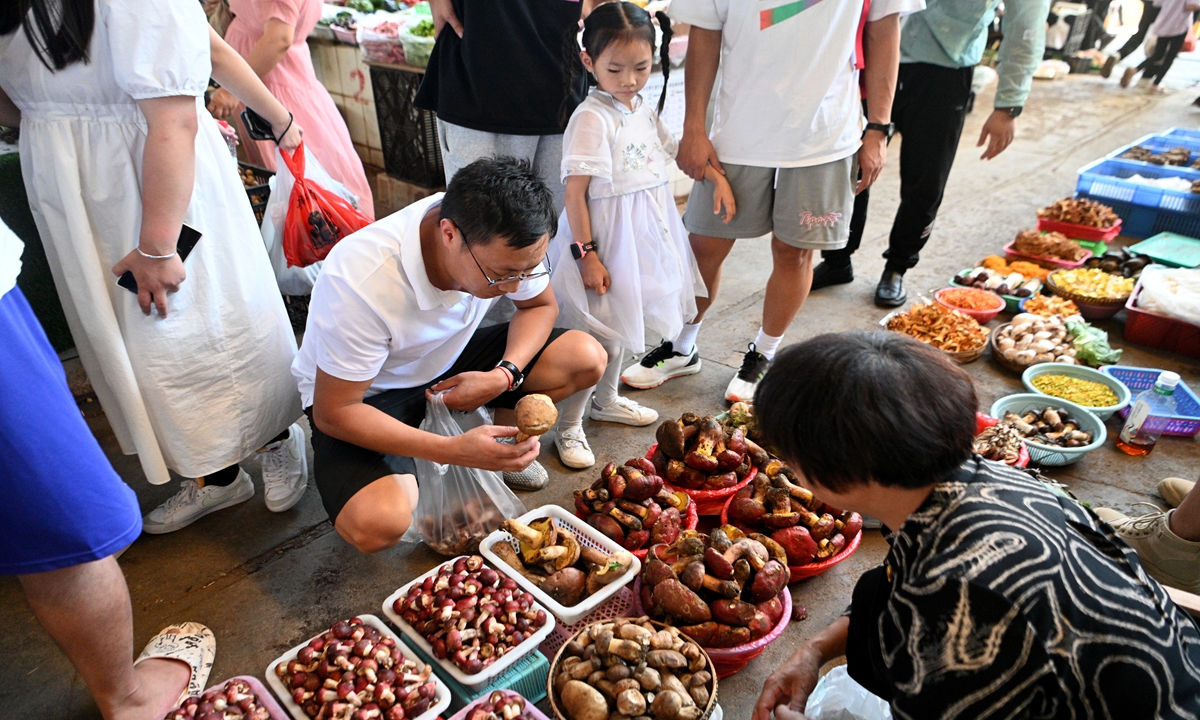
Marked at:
<point>1013,112</point>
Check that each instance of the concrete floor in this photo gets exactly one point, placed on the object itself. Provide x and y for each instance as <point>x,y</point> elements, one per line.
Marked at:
<point>263,581</point>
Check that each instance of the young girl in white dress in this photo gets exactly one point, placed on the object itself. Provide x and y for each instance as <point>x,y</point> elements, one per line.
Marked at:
<point>632,271</point>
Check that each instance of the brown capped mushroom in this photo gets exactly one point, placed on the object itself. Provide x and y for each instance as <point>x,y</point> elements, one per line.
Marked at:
<point>535,415</point>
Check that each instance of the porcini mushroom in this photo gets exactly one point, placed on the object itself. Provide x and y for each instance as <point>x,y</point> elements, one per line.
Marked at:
<point>535,415</point>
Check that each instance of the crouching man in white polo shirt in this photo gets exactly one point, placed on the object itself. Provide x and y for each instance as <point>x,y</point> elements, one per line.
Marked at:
<point>396,315</point>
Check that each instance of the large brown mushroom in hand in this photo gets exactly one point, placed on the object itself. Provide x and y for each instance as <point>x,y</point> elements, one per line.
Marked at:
<point>535,415</point>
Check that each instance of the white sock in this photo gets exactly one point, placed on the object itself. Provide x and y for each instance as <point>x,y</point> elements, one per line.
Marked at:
<point>570,411</point>
<point>767,344</point>
<point>685,342</point>
<point>606,389</point>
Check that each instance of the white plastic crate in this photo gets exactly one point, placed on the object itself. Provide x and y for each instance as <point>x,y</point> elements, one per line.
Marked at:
<point>588,536</point>
<point>479,680</point>
<point>441,700</point>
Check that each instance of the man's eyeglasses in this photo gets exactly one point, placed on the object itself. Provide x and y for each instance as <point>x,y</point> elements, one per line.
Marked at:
<point>511,278</point>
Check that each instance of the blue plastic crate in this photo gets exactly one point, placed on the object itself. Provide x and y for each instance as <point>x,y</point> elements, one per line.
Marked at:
<point>527,676</point>
<point>1142,222</point>
<point>1159,143</point>
<point>1186,420</point>
<point>1180,133</point>
<point>1109,179</point>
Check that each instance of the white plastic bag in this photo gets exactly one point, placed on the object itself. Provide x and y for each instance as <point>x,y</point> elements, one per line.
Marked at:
<point>1174,292</point>
<point>838,697</point>
<point>379,37</point>
<point>293,280</point>
<point>459,506</point>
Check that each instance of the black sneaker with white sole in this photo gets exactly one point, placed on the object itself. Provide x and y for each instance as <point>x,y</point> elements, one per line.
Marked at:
<point>660,365</point>
<point>754,366</point>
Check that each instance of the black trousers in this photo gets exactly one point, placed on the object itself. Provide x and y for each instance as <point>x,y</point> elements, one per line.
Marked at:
<point>929,111</point>
<point>1149,13</point>
<point>1165,51</point>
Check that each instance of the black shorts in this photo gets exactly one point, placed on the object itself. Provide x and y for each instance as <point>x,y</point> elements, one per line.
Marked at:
<point>341,469</point>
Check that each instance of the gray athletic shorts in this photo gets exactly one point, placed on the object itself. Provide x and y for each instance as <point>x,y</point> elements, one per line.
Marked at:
<point>462,146</point>
<point>806,207</point>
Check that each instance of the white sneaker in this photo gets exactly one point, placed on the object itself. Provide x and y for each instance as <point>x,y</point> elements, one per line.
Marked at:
<point>754,365</point>
<point>284,470</point>
<point>534,477</point>
<point>193,502</point>
<point>573,449</point>
<point>624,411</point>
<point>660,365</point>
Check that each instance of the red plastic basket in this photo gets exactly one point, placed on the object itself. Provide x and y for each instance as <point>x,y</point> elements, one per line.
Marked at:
<point>1159,331</point>
<point>727,661</point>
<point>1080,232</point>
<point>690,521</point>
<point>709,502</point>
<point>1048,263</point>
<point>812,569</point>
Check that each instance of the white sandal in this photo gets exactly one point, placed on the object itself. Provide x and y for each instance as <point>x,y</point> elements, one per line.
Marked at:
<point>187,642</point>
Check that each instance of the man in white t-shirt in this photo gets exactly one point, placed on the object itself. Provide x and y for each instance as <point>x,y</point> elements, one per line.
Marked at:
<point>788,134</point>
<point>396,315</point>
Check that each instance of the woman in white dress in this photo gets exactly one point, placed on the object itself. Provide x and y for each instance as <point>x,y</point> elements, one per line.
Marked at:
<point>118,153</point>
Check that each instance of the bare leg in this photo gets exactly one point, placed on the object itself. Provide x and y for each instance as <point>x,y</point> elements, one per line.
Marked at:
<point>1185,521</point>
<point>377,516</point>
<point>573,362</point>
<point>710,255</point>
<point>788,286</point>
<point>86,609</point>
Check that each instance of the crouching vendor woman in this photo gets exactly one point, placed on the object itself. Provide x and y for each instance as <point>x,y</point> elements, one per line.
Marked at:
<point>396,315</point>
<point>999,598</point>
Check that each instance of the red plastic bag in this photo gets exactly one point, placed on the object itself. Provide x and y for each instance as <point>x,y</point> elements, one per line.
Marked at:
<point>1189,41</point>
<point>316,218</point>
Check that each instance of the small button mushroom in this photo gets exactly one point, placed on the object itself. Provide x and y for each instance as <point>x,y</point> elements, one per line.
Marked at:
<point>631,703</point>
<point>666,659</point>
<point>649,679</point>
<point>617,673</point>
<point>627,684</point>
<point>666,706</point>
<point>582,669</point>
<point>630,650</point>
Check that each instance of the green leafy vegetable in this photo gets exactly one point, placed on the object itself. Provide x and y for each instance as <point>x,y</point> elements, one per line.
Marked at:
<point>422,29</point>
<point>1091,344</point>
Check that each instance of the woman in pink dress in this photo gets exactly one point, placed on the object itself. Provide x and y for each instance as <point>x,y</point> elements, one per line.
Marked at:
<point>272,36</point>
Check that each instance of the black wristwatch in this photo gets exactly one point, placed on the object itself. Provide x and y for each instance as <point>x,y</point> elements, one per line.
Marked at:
<point>518,377</point>
<point>1013,112</point>
<point>888,129</point>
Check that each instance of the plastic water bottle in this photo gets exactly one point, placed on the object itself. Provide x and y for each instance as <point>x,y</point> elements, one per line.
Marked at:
<point>1139,437</point>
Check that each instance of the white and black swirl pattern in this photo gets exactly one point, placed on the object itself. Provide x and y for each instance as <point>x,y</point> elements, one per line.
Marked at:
<point>1009,602</point>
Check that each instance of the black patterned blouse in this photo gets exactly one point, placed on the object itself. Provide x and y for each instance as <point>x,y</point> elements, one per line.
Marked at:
<point>1007,601</point>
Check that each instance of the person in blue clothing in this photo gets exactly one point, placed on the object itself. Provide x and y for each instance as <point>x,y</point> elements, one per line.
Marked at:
<point>66,515</point>
<point>939,49</point>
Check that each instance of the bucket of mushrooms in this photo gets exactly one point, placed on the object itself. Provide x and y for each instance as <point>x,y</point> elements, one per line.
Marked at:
<point>634,668</point>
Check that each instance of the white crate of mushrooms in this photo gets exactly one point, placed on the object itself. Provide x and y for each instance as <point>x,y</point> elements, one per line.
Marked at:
<point>1031,339</point>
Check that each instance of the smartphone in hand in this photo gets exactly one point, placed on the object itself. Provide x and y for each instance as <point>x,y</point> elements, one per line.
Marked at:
<point>188,237</point>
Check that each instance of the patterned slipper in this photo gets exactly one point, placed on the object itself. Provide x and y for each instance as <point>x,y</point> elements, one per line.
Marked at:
<point>188,642</point>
